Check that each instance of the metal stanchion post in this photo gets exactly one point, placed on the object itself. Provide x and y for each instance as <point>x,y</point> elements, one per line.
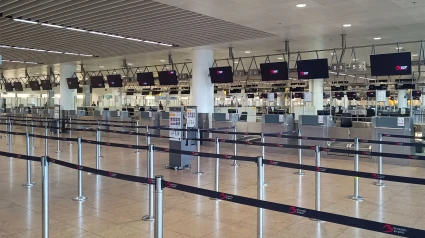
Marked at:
<point>217,166</point>
<point>70,130</point>
<point>235,163</point>
<point>317,192</point>
<point>28,183</point>
<point>198,135</point>
<point>7,126</point>
<point>45,196</point>
<point>299,172</point>
<point>26,125</point>
<point>80,196</point>
<point>356,196</point>
<point>100,147</point>
<point>379,182</point>
<point>32,138</point>
<point>58,135</point>
<point>137,137</point>
<point>151,187</point>
<point>97,150</point>
<point>10,138</point>
<point>158,207</point>
<point>263,152</point>
<point>46,141</point>
<point>260,195</point>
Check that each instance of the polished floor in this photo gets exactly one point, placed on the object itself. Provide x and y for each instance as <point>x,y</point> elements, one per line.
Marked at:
<point>114,208</point>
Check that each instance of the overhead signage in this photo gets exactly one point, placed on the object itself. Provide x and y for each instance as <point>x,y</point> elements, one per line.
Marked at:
<point>341,67</point>
<point>357,66</point>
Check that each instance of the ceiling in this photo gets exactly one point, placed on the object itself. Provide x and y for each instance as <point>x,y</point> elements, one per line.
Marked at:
<point>258,26</point>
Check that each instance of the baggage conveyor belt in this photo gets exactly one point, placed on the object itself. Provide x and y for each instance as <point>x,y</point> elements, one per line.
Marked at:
<point>348,146</point>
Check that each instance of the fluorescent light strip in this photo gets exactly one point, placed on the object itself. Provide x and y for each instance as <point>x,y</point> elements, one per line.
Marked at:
<point>76,29</point>
<point>22,62</point>
<point>25,21</point>
<point>41,50</point>
<point>52,25</point>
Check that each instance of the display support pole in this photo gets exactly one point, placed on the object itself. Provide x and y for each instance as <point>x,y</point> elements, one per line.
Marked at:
<point>151,187</point>
<point>97,149</point>
<point>80,197</point>
<point>198,134</point>
<point>158,207</point>
<point>300,171</point>
<point>45,196</point>
<point>260,195</point>
<point>356,196</point>
<point>217,167</point>
<point>46,141</point>
<point>379,182</point>
<point>235,163</point>
<point>29,183</point>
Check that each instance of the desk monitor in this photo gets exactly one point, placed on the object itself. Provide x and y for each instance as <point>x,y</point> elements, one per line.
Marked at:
<point>232,111</point>
<point>18,86</point>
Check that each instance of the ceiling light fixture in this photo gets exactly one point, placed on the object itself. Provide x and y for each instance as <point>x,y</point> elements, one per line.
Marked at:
<point>377,38</point>
<point>69,53</point>
<point>20,61</point>
<point>76,29</point>
<point>346,25</point>
<point>399,48</point>
<point>101,66</point>
<point>129,64</point>
<point>280,58</point>
<point>134,39</point>
<point>42,50</point>
<point>247,52</point>
<point>55,52</point>
<point>151,42</point>
<point>25,21</point>
<point>301,5</point>
<point>52,25</point>
<point>162,60</point>
<point>415,55</point>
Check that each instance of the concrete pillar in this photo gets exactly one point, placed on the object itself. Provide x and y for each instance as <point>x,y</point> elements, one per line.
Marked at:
<point>67,96</point>
<point>402,98</point>
<point>201,88</point>
<point>316,88</point>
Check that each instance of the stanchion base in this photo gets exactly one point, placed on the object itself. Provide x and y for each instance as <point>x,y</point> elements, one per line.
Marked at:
<point>358,198</point>
<point>148,218</point>
<point>58,151</point>
<point>300,173</point>
<point>28,184</point>
<point>266,184</point>
<point>379,184</point>
<point>198,173</point>
<point>137,152</point>
<point>314,219</point>
<point>100,157</point>
<point>32,147</point>
<point>70,144</point>
<point>235,165</point>
<point>80,199</point>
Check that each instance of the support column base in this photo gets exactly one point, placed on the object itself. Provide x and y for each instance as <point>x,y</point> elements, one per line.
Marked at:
<point>30,184</point>
<point>300,173</point>
<point>379,184</point>
<point>234,164</point>
<point>198,173</point>
<point>358,198</point>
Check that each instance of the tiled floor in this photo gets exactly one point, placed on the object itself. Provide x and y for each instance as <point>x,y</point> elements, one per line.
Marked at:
<point>114,208</point>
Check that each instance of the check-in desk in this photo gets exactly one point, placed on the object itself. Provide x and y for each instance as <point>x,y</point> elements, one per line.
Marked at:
<point>274,123</point>
<point>164,118</point>
<point>315,126</point>
<point>394,126</point>
<point>148,118</point>
<point>221,120</point>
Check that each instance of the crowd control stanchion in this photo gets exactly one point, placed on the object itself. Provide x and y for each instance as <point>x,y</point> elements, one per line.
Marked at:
<point>7,126</point>
<point>217,167</point>
<point>45,196</point>
<point>299,172</point>
<point>10,139</point>
<point>379,182</point>
<point>58,135</point>
<point>317,187</point>
<point>28,183</point>
<point>26,125</point>
<point>137,137</point>
<point>198,145</point>
<point>80,197</point>
<point>46,142</point>
<point>97,149</point>
<point>263,151</point>
<point>70,130</point>
<point>158,207</point>
<point>260,195</point>
<point>32,138</point>
<point>235,163</point>
<point>151,187</point>
<point>356,196</point>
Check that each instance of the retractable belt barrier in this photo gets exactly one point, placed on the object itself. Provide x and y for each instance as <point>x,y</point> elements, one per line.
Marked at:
<point>403,136</point>
<point>51,118</point>
<point>19,156</point>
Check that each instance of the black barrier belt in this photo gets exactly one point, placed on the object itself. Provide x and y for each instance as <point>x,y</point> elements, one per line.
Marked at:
<point>388,155</point>
<point>13,133</point>
<point>169,129</point>
<point>105,173</point>
<point>405,137</point>
<point>314,138</point>
<point>115,144</point>
<point>204,154</point>
<point>218,128</point>
<point>234,133</point>
<point>244,142</point>
<point>53,119</point>
<point>303,212</point>
<point>19,156</point>
<point>366,175</point>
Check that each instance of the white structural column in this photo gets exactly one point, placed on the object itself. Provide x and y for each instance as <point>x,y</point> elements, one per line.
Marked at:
<point>201,88</point>
<point>402,98</point>
<point>67,96</point>
<point>316,88</point>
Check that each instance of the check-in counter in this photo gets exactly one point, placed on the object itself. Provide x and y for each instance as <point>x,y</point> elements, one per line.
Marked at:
<point>221,120</point>
<point>148,118</point>
<point>315,126</point>
<point>164,121</point>
<point>394,126</point>
<point>274,123</point>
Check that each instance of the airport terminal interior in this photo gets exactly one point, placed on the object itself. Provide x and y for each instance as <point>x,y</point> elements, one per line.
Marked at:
<point>212,118</point>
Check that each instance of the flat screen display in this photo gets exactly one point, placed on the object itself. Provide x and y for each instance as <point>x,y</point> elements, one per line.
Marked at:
<point>168,77</point>
<point>339,94</point>
<point>114,80</point>
<point>35,85</point>
<point>263,96</point>
<point>221,74</point>
<point>299,95</point>
<point>250,95</point>
<point>371,94</point>
<point>313,69</point>
<point>46,85</point>
<point>405,86</point>
<point>416,93</point>
<point>18,86</point>
<point>146,79</point>
<point>274,71</point>
<point>97,82</point>
<point>8,87</point>
<point>351,94</point>
<point>391,64</point>
<point>72,83</point>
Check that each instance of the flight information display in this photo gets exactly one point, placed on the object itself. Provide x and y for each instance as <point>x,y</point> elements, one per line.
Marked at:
<point>274,71</point>
<point>8,87</point>
<point>35,86</point>
<point>168,77</point>
<point>114,80</point>
<point>146,79</point>
<point>46,84</point>
<point>391,64</point>
<point>72,83</point>
<point>97,82</point>
<point>313,69</point>
<point>221,74</point>
<point>18,86</point>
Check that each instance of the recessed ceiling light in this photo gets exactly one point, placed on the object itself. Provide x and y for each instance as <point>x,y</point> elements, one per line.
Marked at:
<point>101,66</point>
<point>25,21</point>
<point>415,55</point>
<point>377,38</point>
<point>280,58</point>
<point>301,5</point>
<point>332,53</point>
<point>346,25</point>
<point>399,48</point>
<point>162,60</point>
<point>236,62</point>
<point>130,64</point>
<point>247,52</point>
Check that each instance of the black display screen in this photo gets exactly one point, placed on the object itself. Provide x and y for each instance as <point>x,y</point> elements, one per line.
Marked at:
<point>339,94</point>
<point>351,94</point>
<point>72,83</point>
<point>416,93</point>
<point>8,87</point>
<point>313,69</point>
<point>250,95</point>
<point>391,64</point>
<point>114,80</point>
<point>371,94</point>
<point>146,79</point>
<point>46,84</point>
<point>35,86</point>
<point>18,86</point>
<point>168,77</point>
<point>274,71</point>
<point>97,82</point>
<point>405,86</point>
<point>221,74</point>
<point>298,95</point>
